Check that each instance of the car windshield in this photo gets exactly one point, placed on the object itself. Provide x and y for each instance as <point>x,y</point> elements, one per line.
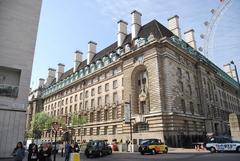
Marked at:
<point>92,143</point>
<point>145,142</point>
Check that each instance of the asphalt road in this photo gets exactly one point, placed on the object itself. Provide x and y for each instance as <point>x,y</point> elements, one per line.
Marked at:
<point>167,157</point>
<point>159,157</point>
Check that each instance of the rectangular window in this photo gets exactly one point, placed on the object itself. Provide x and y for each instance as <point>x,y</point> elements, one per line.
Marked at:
<point>106,87</point>
<point>115,84</point>
<point>71,99</point>
<point>75,99</point>
<point>86,94</point>
<point>99,101</point>
<point>75,108</point>
<point>107,99</point>
<point>98,130</point>
<point>99,89</point>
<point>91,131</point>
<point>9,81</point>
<point>98,116</point>
<point>114,113</point>
<point>179,72</point>
<point>66,102</point>
<point>114,129</point>
<point>92,103</point>
<point>115,98</point>
<point>80,106</point>
<point>105,115</point>
<point>86,105</point>
<point>80,96</point>
<point>188,75</point>
<point>85,131</point>
<point>105,130</point>
<point>92,92</point>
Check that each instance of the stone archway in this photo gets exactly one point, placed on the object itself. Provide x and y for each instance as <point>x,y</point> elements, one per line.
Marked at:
<point>234,126</point>
<point>139,90</point>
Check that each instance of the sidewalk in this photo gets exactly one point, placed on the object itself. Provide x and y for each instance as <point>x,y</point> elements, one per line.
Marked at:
<point>183,150</point>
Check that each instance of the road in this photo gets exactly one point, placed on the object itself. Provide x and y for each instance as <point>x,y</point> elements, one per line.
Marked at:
<point>167,157</point>
<point>190,156</point>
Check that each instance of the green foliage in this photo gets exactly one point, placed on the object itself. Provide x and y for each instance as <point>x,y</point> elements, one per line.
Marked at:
<point>77,120</point>
<point>41,121</point>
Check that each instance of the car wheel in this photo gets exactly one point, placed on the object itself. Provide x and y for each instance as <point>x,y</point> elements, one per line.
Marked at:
<point>153,151</point>
<point>110,151</point>
<point>165,151</point>
<point>212,150</point>
<point>238,149</point>
<point>87,155</point>
<point>142,152</point>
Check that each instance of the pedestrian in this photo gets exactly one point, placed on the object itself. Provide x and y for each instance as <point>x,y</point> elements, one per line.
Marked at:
<point>68,150</point>
<point>30,149</point>
<point>61,147</point>
<point>33,153</point>
<point>45,153</point>
<point>76,148</point>
<point>18,152</point>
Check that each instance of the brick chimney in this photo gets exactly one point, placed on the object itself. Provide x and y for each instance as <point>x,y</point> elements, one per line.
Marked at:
<point>41,82</point>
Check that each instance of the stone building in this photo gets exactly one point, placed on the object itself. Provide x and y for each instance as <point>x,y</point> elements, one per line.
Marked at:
<point>176,93</point>
<point>18,30</point>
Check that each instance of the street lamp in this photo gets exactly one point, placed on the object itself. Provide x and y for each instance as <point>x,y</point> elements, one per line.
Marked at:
<point>235,68</point>
<point>236,72</point>
<point>55,126</point>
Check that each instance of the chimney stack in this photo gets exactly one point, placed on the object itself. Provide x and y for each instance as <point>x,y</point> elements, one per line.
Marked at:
<point>136,23</point>
<point>173,25</point>
<point>190,38</point>
<point>60,71</point>
<point>91,50</point>
<point>77,59</point>
<point>41,82</point>
<point>51,76</point>
<point>122,32</point>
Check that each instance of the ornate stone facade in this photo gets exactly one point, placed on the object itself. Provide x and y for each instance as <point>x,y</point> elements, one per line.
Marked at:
<point>176,94</point>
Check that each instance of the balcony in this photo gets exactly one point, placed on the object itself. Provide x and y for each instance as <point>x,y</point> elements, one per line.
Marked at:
<point>8,90</point>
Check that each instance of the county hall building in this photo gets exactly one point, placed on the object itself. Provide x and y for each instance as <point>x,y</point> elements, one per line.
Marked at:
<point>176,94</point>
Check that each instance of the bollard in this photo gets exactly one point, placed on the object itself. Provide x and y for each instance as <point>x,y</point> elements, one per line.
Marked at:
<point>74,157</point>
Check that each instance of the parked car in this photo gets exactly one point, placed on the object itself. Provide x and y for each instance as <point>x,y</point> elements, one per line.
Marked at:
<point>97,148</point>
<point>221,144</point>
<point>152,146</point>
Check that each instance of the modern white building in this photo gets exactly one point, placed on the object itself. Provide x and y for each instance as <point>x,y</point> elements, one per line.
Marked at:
<point>18,30</point>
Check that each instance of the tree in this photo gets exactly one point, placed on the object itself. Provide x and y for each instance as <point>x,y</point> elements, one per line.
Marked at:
<point>42,121</point>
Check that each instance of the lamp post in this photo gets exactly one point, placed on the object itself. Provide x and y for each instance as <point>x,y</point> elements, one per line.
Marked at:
<point>55,126</point>
<point>235,68</point>
<point>236,72</point>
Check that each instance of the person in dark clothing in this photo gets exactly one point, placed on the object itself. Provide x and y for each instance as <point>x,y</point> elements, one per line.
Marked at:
<point>76,148</point>
<point>33,153</point>
<point>18,152</point>
<point>68,150</point>
<point>45,153</point>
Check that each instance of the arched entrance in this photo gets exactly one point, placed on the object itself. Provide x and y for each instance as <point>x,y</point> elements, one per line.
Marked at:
<point>140,97</point>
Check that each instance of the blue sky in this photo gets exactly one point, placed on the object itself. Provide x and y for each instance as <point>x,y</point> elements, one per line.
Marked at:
<point>68,25</point>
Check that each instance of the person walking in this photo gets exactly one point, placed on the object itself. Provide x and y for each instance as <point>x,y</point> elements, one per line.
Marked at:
<point>33,153</point>
<point>18,152</point>
<point>45,153</point>
<point>68,150</point>
<point>76,148</point>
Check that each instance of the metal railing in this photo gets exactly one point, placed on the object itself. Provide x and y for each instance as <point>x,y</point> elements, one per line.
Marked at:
<point>8,90</point>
